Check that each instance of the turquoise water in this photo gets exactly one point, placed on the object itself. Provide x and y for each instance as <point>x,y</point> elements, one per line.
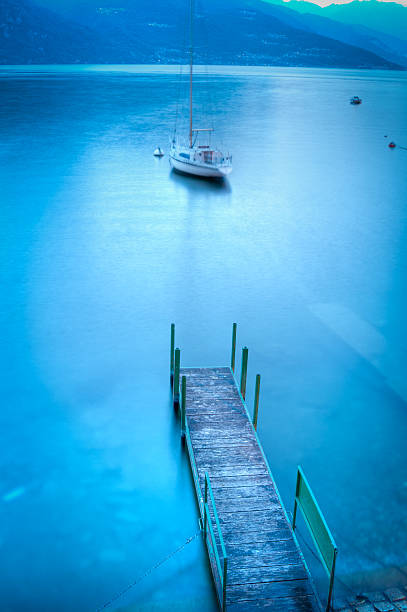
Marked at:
<point>103,247</point>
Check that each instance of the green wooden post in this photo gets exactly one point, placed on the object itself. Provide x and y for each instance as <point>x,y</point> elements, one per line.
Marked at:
<point>256,401</point>
<point>205,502</point>
<point>172,352</point>
<point>225,573</point>
<point>183,405</point>
<point>243,377</point>
<point>176,377</point>
<point>331,582</point>
<point>232,361</point>
<point>297,490</point>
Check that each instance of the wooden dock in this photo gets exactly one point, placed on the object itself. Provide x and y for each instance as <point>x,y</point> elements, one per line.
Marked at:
<point>254,555</point>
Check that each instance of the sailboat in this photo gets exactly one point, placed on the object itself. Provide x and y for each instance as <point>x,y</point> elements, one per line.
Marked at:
<point>192,156</point>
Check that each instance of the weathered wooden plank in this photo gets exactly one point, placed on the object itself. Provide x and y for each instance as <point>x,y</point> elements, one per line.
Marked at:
<point>287,604</point>
<point>218,406</point>
<point>231,470</point>
<point>196,371</point>
<point>287,559</point>
<point>209,434</point>
<point>201,387</point>
<point>217,420</point>
<point>219,424</point>
<point>225,443</point>
<point>233,457</point>
<point>223,468</point>
<point>237,541</point>
<point>232,428</point>
<point>269,590</point>
<point>237,441</point>
<point>275,571</point>
<point>246,504</point>
<point>206,396</point>
<point>262,491</point>
<point>254,520</point>
<point>253,537</point>
<point>210,391</point>
<point>232,416</point>
<point>239,481</point>
<point>270,548</point>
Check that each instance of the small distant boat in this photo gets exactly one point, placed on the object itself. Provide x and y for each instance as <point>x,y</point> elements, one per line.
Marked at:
<point>158,152</point>
<point>392,145</point>
<point>191,155</point>
<point>356,100</point>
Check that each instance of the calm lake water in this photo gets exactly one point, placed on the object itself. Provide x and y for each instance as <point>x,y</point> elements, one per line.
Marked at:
<point>103,247</point>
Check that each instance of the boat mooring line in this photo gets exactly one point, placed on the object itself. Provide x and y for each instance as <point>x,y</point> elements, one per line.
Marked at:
<point>149,571</point>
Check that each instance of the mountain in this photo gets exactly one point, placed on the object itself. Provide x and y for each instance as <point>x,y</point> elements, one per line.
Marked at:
<point>34,35</point>
<point>387,17</point>
<point>123,31</point>
<point>380,43</point>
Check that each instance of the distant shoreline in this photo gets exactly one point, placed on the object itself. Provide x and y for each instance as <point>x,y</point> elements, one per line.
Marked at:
<point>198,68</point>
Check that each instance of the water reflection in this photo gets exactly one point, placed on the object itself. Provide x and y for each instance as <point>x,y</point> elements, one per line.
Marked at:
<point>201,186</point>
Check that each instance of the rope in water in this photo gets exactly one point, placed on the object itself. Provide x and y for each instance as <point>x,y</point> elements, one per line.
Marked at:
<point>149,571</point>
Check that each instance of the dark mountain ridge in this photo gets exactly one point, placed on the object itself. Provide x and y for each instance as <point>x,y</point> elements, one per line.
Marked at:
<point>385,45</point>
<point>34,35</point>
<point>121,31</point>
<point>387,17</point>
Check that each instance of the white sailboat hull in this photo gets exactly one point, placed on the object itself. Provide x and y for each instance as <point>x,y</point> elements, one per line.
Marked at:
<point>196,169</point>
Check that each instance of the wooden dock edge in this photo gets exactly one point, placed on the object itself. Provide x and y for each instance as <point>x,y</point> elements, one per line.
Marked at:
<point>199,494</point>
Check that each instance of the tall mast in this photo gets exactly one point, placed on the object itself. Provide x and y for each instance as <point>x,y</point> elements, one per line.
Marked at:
<point>191,63</point>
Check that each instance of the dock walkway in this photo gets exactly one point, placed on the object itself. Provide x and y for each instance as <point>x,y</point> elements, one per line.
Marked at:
<point>255,558</point>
